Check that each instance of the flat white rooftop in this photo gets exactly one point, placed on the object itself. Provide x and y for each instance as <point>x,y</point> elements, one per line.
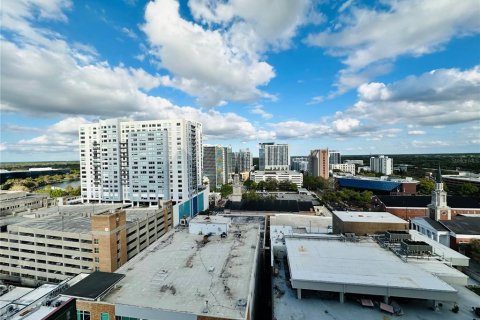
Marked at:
<point>14,294</point>
<point>315,305</point>
<point>359,267</point>
<point>311,224</point>
<point>178,273</point>
<point>210,219</point>
<point>367,216</point>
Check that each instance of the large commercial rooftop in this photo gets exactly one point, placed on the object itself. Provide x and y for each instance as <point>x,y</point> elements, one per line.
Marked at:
<point>179,273</point>
<point>76,218</point>
<point>359,267</point>
<point>367,216</point>
<point>322,305</point>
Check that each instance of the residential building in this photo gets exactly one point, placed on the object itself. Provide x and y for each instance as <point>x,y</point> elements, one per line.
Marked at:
<point>334,157</point>
<point>319,163</point>
<point>343,167</point>
<point>292,176</point>
<point>65,241</point>
<point>299,163</point>
<point>140,161</point>
<point>381,164</point>
<point>186,275</point>
<point>274,156</point>
<point>229,163</point>
<point>243,161</point>
<point>214,164</point>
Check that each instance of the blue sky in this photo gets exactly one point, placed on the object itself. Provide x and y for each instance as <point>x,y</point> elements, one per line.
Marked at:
<point>361,77</point>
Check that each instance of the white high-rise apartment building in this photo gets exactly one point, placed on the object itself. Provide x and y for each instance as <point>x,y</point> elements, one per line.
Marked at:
<point>274,156</point>
<point>381,164</point>
<point>140,161</point>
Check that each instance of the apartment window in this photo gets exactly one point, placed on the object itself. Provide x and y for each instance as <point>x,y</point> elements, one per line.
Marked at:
<point>83,315</point>
<point>97,259</point>
<point>104,316</point>
<point>95,241</point>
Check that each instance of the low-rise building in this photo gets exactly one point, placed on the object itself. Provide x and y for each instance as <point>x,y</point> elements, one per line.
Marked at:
<point>41,303</point>
<point>183,276</point>
<point>292,176</point>
<point>343,167</point>
<point>364,223</point>
<point>13,202</point>
<point>382,185</point>
<point>453,181</point>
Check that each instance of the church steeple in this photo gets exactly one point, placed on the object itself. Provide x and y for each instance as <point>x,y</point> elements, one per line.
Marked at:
<point>439,210</point>
<point>439,175</point>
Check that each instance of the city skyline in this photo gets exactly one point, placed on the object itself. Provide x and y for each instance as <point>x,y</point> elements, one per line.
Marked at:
<point>394,77</point>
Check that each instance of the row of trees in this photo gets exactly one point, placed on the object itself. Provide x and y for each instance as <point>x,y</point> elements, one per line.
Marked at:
<point>361,199</point>
<point>426,186</point>
<point>30,184</point>
<point>270,185</point>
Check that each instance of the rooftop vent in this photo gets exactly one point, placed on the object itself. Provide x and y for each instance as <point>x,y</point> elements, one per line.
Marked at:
<point>415,247</point>
<point>241,302</point>
<point>397,236</point>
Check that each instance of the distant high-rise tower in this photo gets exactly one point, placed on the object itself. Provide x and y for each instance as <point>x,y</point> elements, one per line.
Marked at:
<point>319,163</point>
<point>274,156</point>
<point>140,161</point>
<point>438,208</point>
<point>381,164</point>
<point>243,160</point>
<point>334,157</point>
<point>216,164</point>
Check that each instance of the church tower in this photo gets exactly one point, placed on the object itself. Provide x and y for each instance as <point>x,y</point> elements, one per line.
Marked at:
<point>236,196</point>
<point>438,208</point>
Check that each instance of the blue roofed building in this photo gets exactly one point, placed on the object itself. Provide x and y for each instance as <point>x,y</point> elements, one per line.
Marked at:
<point>383,185</point>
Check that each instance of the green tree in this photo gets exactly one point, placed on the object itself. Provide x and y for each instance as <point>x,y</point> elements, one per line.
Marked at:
<point>271,184</point>
<point>251,195</point>
<point>262,185</point>
<point>287,185</point>
<point>314,183</point>
<point>468,189</point>
<point>250,184</point>
<point>426,186</point>
<point>55,193</point>
<point>226,190</point>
